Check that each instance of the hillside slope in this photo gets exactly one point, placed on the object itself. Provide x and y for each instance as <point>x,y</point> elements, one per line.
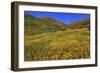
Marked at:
<point>34,25</point>
<point>84,23</point>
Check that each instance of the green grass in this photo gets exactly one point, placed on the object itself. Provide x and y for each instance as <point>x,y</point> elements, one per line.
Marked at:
<point>59,45</point>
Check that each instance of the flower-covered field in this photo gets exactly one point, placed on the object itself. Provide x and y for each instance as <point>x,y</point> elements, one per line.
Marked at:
<point>58,45</point>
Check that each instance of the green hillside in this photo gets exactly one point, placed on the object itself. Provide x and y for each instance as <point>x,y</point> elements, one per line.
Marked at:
<point>35,25</point>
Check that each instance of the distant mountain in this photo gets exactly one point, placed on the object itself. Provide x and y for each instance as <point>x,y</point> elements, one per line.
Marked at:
<point>43,24</point>
<point>80,24</point>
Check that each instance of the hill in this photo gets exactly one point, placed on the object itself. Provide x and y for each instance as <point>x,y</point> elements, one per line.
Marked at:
<point>48,24</point>
<point>84,23</point>
<point>53,21</point>
<point>44,23</point>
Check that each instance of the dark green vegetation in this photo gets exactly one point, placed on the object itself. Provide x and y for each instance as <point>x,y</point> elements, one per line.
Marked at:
<point>48,39</point>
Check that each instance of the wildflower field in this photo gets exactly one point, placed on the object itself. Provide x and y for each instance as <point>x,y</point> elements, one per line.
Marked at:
<point>58,45</point>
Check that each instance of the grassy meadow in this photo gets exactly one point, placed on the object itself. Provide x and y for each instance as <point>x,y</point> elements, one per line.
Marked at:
<point>58,45</point>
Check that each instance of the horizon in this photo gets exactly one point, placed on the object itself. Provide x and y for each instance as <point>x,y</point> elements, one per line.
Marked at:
<point>65,18</point>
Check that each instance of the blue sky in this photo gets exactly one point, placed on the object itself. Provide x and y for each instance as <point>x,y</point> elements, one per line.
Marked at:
<point>65,18</point>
